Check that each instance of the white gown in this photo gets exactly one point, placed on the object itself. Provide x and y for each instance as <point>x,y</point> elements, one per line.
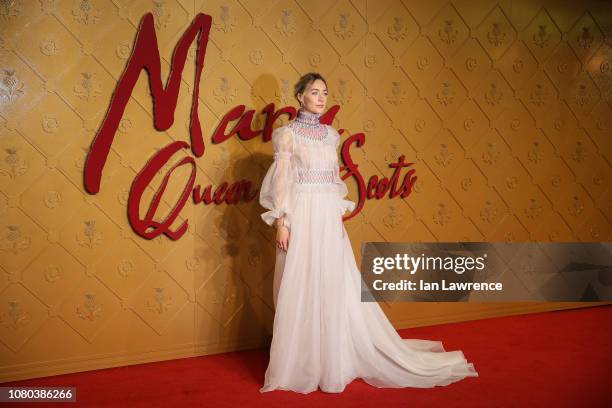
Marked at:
<point>323,335</point>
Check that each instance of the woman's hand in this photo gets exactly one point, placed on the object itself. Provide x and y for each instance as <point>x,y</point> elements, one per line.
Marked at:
<point>282,235</point>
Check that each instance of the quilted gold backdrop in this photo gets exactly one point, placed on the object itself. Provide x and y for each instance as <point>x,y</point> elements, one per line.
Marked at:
<point>504,107</point>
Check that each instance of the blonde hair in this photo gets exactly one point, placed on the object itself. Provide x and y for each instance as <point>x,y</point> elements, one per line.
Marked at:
<point>304,81</point>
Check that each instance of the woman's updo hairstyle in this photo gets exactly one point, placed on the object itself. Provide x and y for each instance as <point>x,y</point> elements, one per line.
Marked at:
<point>304,81</point>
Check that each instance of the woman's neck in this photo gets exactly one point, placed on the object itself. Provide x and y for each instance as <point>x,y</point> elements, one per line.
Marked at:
<point>307,118</point>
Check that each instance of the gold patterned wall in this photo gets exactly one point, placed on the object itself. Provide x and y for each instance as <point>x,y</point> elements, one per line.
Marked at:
<point>504,107</point>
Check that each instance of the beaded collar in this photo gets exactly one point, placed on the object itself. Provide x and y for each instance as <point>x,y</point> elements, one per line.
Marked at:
<point>307,125</point>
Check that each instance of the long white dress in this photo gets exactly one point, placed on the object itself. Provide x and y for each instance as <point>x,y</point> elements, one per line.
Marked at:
<point>323,335</point>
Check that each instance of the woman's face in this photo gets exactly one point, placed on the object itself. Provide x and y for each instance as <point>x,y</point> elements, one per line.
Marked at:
<point>314,97</point>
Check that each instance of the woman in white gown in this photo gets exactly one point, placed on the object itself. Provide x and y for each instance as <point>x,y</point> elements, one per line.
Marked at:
<point>323,335</point>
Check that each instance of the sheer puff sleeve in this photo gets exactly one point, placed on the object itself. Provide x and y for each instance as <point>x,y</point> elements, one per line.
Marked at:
<point>277,186</point>
<point>345,205</point>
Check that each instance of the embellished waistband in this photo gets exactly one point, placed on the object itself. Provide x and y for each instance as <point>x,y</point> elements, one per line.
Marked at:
<point>315,176</point>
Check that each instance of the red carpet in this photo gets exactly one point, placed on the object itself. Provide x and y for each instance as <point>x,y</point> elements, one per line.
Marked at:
<point>553,359</point>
